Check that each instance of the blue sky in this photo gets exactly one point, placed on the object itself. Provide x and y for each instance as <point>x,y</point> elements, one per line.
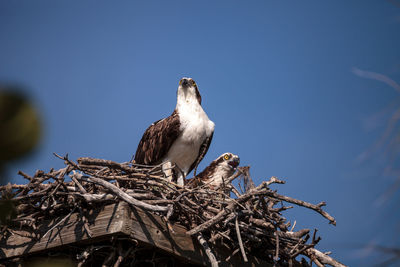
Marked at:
<point>275,76</point>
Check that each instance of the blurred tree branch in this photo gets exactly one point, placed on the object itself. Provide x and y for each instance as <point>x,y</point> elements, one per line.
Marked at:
<point>390,139</point>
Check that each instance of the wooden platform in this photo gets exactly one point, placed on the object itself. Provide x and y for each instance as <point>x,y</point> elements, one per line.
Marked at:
<point>117,219</point>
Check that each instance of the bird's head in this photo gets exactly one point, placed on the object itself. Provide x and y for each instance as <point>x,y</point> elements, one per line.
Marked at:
<point>218,170</point>
<point>188,90</point>
<point>229,160</point>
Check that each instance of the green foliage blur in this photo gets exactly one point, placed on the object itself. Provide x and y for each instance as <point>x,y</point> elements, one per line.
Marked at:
<point>20,132</point>
<point>19,123</point>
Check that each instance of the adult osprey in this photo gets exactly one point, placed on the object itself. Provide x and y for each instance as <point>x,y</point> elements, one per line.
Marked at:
<point>182,138</point>
<point>215,174</point>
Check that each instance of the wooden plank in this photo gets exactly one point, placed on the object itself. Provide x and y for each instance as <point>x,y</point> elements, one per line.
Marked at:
<point>120,219</point>
<point>103,222</point>
<point>150,229</point>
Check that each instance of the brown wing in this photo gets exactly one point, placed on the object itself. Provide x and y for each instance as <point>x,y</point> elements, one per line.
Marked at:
<point>157,140</point>
<point>202,152</point>
<point>205,175</point>
<point>210,169</point>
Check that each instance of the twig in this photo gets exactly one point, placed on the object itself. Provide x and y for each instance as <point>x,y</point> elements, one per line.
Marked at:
<point>276,258</point>
<point>122,255</point>
<point>317,207</point>
<point>78,184</point>
<point>207,249</point>
<point>220,215</point>
<point>323,258</point>
<point>26,176</point>
<point>121,194</point>
<point>274,180</point>
<point>57,224</point>
<point>239,237</point>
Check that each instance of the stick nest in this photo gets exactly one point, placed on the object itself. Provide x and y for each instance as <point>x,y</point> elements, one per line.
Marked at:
<point>247,219</point>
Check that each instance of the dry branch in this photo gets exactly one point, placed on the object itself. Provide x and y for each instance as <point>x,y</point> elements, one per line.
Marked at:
<point>207,249</point>
<point>118,192</point>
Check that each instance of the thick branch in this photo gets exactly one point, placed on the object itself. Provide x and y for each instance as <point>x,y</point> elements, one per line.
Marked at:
<point>121,194</point>
<point>323,258</point>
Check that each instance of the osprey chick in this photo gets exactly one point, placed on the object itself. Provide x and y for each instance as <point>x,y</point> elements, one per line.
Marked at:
<point>182,139</point>
<point>215,174</point>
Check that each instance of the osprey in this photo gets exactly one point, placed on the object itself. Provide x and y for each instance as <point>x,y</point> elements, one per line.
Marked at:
<point>181,139</point>
<point>215,174</point>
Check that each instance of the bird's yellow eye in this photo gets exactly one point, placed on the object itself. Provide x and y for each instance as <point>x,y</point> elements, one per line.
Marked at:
<point>194,83</point>
<point>180,82</point>
<point>226,157</point>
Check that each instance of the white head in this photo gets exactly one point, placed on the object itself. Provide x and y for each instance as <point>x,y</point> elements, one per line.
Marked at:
<point>188,91</point>
<point>226,162</point>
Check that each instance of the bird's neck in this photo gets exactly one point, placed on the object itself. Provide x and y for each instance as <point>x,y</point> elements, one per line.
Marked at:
<point>187,100</point>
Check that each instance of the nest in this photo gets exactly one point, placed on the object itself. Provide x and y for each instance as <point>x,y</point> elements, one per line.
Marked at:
<point>245,218</point>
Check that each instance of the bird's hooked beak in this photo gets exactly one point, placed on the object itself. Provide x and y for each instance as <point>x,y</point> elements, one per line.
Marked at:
<point>234,162</point>
<point>188,90</point>
<point>184,82</point>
